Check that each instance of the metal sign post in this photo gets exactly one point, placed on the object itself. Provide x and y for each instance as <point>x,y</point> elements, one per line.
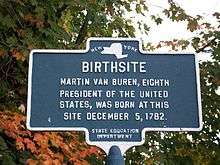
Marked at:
<point>114,91</point>
<point>115,157</point>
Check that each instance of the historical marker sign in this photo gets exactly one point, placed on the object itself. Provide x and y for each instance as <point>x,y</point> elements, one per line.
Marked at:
<point>114,91</point>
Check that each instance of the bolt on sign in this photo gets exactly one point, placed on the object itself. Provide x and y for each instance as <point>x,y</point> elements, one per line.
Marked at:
<point>114,91</point>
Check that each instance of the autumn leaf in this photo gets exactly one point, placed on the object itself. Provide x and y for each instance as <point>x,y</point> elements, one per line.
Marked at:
<point>31,162</point>
<point>41,140</point>
<point>56,162</point>
<point>19,144</point>
<point>18,55</point>
<point>47,162</point>
<point>2,53</point>
<point>44,145</point>
<point>192,25</point>
<point>30,145</point>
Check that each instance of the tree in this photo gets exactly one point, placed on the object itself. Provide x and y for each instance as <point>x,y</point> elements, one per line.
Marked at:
<point>29,24</point>
<point>190,147</point>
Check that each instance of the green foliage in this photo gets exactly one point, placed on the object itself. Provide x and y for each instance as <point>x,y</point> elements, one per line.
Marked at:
<point>176,13</point>
<point>158,20</point>
<point>30,24</point>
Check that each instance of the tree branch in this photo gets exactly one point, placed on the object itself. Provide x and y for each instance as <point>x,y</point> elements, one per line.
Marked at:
<point>205,46</point>
<point>83,30</point>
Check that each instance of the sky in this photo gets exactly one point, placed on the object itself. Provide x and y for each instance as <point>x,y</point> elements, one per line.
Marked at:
<point>178,30</point>
<point>169,30</point>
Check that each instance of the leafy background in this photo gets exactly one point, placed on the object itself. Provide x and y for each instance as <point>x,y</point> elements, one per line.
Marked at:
<point>67,24</point>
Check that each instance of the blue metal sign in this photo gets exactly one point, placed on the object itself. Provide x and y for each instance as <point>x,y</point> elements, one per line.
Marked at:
<point>113,90</point>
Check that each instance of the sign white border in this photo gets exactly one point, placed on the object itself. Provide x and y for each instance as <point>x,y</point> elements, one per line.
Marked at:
<point>106,145</point>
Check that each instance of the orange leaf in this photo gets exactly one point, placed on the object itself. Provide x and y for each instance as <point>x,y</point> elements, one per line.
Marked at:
<point>30,145</point>
<point>47,162</point>
<point>31,162</point>
<point>19,143</point>
<point>56,162</point>
<point>2,52</point>
<point>18,55</point>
